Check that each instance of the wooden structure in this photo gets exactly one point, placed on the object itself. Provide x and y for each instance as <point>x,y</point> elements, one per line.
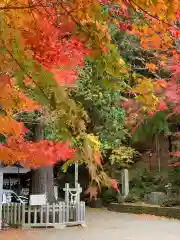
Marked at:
<point>40,214</point>
<point>23,215</point>
<point>56,215</point>
<point>75,209</point>
<point>10,170</point>
<point>67,213</point>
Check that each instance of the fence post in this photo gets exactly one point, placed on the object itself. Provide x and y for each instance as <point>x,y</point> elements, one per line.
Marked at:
<point>66,189</point>
<point>19,213</point>
<point>1,198</point>
<point>47,214</point>
<point>23,214</point>
<point>0,216</point>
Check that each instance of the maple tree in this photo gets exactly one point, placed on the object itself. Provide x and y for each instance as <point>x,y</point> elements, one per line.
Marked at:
<point>49,59</point>
<point>16,149</point>
<point>155,94</point>
<point>55,38</point>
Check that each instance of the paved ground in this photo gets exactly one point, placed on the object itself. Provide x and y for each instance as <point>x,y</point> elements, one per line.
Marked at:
<point>105,225</point>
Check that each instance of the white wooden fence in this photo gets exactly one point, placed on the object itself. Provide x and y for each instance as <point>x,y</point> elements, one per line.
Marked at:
<point>75,209</point>
<point>75,214</point>
<point>23,215</point>
<point>65,213</point>
<point>57,215</point>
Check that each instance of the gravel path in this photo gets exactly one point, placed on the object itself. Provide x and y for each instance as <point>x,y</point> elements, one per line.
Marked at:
<point>105,225</point>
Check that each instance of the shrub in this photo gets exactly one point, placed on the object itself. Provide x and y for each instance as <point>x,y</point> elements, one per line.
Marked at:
<point>147,181</point>
<point>171,202</point>
<point>109,196</point>
<point>132,197</point>
<point>123,155</point>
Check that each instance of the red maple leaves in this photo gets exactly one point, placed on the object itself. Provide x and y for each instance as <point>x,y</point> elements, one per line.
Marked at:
<point>114,184</point>
<point>35,154</point>
<point>55,50</point>
<point>16,148</point>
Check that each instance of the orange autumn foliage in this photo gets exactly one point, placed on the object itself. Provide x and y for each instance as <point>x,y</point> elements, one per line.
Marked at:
<point>16,148</point>
<point>61,50</point>
<point>34,154</point>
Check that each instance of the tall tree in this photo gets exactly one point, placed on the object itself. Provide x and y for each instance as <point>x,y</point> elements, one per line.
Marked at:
<point>42,179</point>
<point>55,38</point>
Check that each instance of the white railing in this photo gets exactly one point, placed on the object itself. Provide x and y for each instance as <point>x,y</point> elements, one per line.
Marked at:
<point>56,215</point>
<point>17,214</point>
<point>75,209</point>
<point>75,214</point>
<point>67,213</point>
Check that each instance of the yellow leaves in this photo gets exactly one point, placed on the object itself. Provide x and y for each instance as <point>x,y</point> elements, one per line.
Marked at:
<point>121,62</point>
<point>144,85</point>
<point>115,21</point>
<point>94,142</point>
<point>163,10</point>
<point>66,165</point>
<point>145,95</point>
<point>172,7</point>
<point>122,154</point>
<point>15,17</point>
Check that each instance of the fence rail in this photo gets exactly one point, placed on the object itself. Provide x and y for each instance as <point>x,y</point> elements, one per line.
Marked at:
<point>68,212</point>
<point>56,215</point>
<point>34,216</point>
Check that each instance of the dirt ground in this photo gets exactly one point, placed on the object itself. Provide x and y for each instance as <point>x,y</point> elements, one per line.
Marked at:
<point>105,225</point>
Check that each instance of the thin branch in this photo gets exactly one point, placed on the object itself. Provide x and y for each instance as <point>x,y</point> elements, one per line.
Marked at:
<point>59,3</point>
<point>138,58</point>
<point>149,14</point>
<point>20,7</point>
<point>145,69</point>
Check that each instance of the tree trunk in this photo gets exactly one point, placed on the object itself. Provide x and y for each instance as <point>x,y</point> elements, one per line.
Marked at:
<point>42,179</point>
<point>158,151</point>
<point>42,182</point>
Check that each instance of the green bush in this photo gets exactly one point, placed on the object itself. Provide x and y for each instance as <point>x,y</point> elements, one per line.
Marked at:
<point>174,179</point>
<point>147,181</point>
<point>171,202</point>
<point>132,197</point>
<point>174,176</point>
<point>109,195</point>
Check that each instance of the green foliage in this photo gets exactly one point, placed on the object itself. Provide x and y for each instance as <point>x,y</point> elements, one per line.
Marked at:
<point>61,112</point>
<point>174,175</point>
<point>102,105</point>
<point>157,124</point>
<point>66,165</point>
<point>146,182</point>
<point>109,195</point>
<point>174,179</point>
<point>132,198</point>
<point>2,139</point>
<point>171,202</point>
